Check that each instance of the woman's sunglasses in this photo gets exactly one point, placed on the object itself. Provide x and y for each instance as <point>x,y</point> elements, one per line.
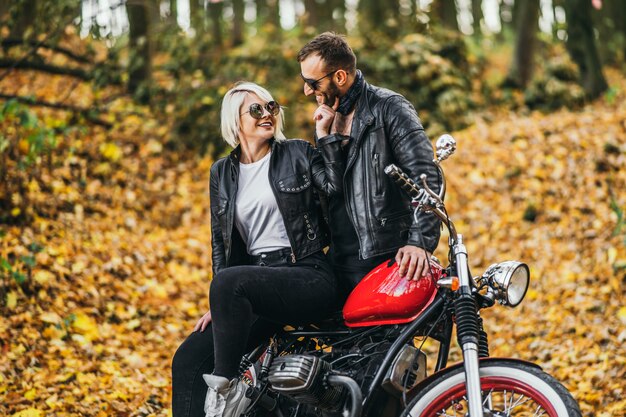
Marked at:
<point>256,110</point>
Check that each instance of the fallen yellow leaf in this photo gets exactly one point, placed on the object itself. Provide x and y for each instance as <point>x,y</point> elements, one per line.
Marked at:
<point>86,326</point>
<point>43,276</point>
<point>11,300</point>
<point>621,314</point>
<point>29,412</point>
<point>30,394</point>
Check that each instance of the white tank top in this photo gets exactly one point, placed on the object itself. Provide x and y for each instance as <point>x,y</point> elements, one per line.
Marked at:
<point>257,215</point>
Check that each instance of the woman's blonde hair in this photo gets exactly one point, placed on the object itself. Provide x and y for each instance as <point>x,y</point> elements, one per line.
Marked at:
<point>231,111</point>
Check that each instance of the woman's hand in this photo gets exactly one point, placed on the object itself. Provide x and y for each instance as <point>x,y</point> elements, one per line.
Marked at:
<point>324,116</point>
<point>203,322</point>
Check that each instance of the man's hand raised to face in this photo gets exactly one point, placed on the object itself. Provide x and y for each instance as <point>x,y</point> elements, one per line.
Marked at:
<point>323,117</point>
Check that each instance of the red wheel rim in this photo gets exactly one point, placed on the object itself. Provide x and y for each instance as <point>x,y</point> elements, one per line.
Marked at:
<point>490,383</point>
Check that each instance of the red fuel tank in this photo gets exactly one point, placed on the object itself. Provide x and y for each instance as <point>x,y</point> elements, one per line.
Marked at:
<point>383,297</point>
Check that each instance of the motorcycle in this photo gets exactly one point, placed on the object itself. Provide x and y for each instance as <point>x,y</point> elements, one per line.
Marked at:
<point>371,361</point>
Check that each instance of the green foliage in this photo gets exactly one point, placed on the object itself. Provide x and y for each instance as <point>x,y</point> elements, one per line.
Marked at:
<point>36,138</point>
<point>556,87</point>
<point>432,71</point>
<point>530,213</point>
<point>202,74</point>
<point>18,270</point>
<point>619,231</point>
<point>611,94</point>
<point>25,141</point>
<point>620,224</point>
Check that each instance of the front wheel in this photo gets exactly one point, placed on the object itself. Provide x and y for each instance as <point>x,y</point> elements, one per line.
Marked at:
<point>509,389</point>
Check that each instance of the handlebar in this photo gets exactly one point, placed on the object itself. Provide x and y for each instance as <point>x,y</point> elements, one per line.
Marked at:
<point>403,180</point>
<point>423,197</point>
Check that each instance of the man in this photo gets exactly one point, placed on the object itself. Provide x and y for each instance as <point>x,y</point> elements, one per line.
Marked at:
<point>367,128</point>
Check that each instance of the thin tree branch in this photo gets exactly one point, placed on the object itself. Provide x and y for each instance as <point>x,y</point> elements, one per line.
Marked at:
<point>8,43</point>
<point>40,66</point>
<point>32,51</point>
<point>88,114</point>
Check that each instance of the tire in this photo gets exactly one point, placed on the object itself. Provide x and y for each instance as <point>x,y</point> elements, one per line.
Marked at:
<point>517,389</point>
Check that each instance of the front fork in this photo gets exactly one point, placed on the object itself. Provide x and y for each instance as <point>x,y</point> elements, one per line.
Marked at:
<point>468,330</point>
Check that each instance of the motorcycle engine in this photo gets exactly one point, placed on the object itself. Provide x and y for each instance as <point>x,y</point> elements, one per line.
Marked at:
<point>302,377</point>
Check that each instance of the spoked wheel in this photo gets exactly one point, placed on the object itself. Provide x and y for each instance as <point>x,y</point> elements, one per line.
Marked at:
<point>509,389</point>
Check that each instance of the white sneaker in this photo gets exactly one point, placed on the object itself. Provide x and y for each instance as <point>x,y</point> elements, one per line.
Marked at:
<point>224,398</point>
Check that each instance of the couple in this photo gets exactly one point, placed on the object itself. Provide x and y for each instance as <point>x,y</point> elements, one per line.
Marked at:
<point>268,230</point>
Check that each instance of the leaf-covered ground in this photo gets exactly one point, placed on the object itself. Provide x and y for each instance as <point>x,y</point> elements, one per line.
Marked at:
<point>121,251</point>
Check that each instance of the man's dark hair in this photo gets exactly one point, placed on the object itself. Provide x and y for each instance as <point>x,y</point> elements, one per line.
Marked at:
<point>332,49</point>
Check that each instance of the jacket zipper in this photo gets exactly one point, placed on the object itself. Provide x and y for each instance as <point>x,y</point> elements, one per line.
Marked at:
<point>230,214</point>
<point>269,176</point>
<point>384,220</point>
<point>347,201</point>
<point>377,172</point>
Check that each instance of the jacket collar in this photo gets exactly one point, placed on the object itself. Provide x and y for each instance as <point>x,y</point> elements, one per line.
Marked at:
<point>363,111</point>
<point>363,118</point>
<point>235,154</point>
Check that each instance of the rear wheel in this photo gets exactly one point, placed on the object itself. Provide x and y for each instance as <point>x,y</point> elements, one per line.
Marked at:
<point>509,389</point>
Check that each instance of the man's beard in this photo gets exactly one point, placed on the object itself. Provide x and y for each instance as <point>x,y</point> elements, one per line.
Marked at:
<point>331,94</point>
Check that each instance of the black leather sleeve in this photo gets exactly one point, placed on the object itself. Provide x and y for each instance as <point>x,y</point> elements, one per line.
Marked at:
<point>414,155</point>
<point>218,253</point>
<point>326,169</point>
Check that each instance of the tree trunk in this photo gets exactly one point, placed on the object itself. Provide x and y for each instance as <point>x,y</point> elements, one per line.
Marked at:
<point>261,12</point>
<point>581,45</point>
<point>338,8</point>
<point>445,12</point>
<point>273,19</point>
<point>619,12</point>
<point>196,16</point>
<point>555,23</point>
<point>619,15</point>
<point>4,11</point>
<point>173,16</point>
<point>215,12</point>
<point>24,18</point>
<point>609,23</point>
<point>369,17</point>
<point>376,16</point>
<point>268,15</point>
<point>527,24</point>
<point>140,42</point>
<point>238,21</point>
<point>507,17</point>
<point>477,16</point>
<point>311,11</point>
<point>69,11</point>
<point>323,12</point>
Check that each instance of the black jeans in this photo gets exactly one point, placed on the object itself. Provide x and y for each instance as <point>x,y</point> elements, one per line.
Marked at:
<point>248,304</point>
<point>350,270</point>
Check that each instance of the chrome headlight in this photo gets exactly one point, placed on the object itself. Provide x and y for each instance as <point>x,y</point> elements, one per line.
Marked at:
<point>509,280</point>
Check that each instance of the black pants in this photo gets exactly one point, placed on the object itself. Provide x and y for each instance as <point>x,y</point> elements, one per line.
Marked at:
<point>350,270</point>
<point>248,304</point>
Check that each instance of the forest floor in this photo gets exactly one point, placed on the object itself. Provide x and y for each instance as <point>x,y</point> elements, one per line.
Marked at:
<point>121,257</point>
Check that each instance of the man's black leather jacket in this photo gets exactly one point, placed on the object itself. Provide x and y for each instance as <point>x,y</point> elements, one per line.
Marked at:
<point>385,130</point>
<point>296,173</point>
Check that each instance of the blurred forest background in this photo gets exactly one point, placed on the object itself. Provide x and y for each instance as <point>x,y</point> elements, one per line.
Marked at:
<point>109,122</point>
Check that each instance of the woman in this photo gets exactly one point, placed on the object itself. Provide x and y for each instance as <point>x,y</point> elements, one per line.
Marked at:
<point>267,240</point>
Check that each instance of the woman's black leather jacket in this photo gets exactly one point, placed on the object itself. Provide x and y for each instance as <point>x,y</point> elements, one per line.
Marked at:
<point>297,173</point>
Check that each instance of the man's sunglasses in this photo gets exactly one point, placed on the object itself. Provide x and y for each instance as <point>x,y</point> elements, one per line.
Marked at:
<point>314,84</point>
<point>256,110</point>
